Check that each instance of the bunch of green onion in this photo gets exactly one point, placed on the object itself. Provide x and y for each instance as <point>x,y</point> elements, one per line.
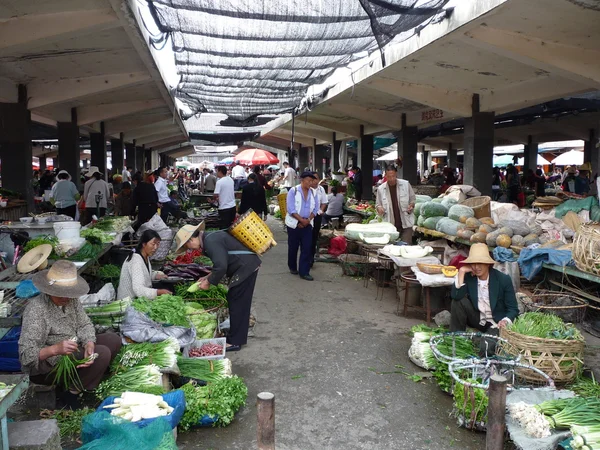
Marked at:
<point>205,370</point>
<point>118,306</point>
<point>65,370</point>
<point>163,354</point>
<point>577,412</point>
<point>547,326</point>
<point>586,437</point>
<point>146,379</point>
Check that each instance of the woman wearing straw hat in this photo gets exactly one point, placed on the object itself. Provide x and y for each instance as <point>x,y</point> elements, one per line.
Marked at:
<point>232,259</point>
<point>51,320</point>
<point>482,297</point>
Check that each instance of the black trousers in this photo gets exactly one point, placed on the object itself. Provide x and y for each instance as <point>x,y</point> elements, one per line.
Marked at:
<point>68,211</point>
<point>226,217</point>
<point>239,298</point>
<point>315,234</point>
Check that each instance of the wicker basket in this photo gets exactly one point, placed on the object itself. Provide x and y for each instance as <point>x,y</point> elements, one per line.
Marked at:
<point>586,248</point>
<point>282,200</point>
<point>431,269</point>
<point>355,265</point>
<point>549,302</point>
<point>480,205</point>
<point>252,231</point>
<point>560,359</point>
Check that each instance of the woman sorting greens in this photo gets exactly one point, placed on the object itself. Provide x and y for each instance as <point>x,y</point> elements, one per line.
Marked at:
<point>137,274</point>
<point>55,324</point>
<point>232,259</point>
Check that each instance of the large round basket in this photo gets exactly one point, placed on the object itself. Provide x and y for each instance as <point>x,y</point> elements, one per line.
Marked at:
<point>252,231</point>
<point>586,248</point>
<point>355,265</point>
<point>480,205</point>
<point>282,200</point>
<point>568,307</point>
<point>487,346</point>
<point>560,359</point>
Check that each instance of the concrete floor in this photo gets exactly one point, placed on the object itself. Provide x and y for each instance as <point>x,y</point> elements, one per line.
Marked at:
<point>318,348</point>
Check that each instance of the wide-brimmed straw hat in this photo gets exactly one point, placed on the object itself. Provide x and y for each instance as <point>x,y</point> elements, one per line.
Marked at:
<point>586,166</point>
<point>36,258</point>
<point>61,280</point>
<point>479,254</point>
<point>185,233</point>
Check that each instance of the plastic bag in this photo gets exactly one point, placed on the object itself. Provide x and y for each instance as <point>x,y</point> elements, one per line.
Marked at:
<point>104,296</point>
<point>140,328</point>
<point>165,233</point>
<point>26,289</point>
<point>101,431</point>
<point>337,246</point>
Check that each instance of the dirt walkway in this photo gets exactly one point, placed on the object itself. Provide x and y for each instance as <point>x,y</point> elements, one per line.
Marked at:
<point>318,348</point>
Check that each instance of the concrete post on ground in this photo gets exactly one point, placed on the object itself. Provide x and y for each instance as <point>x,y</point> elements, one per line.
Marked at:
<point>303,158</point>
<point>452,156</point>
<point>408,140</point>
<point>15,147</point>
<point>531,154</point>
<point>335,154</point>
<point>265,412</point>
<point>591,152</point>
<point>496,423</point>
<point>68,149</point>
<point>479,149</point>
<point>116,151</point>
<point>130,156</point>
<point>139,159</point>
<point>98,147</point>
<point>365,150</point>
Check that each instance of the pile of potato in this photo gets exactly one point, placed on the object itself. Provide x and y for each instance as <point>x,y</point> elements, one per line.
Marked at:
<point>505,234</point>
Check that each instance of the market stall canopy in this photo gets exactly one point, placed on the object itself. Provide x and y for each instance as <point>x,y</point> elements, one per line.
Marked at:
<point>570,158</point>
<point>255,157</point>
<point>503,160</point>
<point>226,161</point>
<point>391,156</point>
<point>541,161</point>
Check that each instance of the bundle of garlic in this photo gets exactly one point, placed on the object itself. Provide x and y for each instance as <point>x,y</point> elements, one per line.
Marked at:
<point>135,406</point>
<point>534,422</point>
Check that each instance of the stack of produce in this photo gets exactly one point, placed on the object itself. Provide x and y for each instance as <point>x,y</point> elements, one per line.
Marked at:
<point>96,236</point>
<point>40,240</point>
<point>109,314</point>
<point>109,224</point>
<point>164,309</point>
<point>193,292</point>
<point>162,354</point>
<point>147,379</point>
<point>88,251</point>
<point>204,370</point>
<point>204,322</point>
<point>187,257</point>
<point>135,406</point>
<point>189,271</point>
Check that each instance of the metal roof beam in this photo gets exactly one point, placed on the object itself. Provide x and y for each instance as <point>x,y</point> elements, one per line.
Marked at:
<point>89,114</point>
<point>61,91</point>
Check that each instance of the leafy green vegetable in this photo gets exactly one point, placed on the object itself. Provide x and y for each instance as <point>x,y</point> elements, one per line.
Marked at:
<point>163,354</point>
<point>204,260</point>
<point>220,399</point>
<point>164,309</point>
<point>546,326</point>
<point>69,421</point>
<point>219,291</point>
<point>109,272</point>
<point>443,378</point>
<point>203,369</point>
<point>144,379</point>
<point>88,251</point>
<point>470,403</point>
<point>585,387</point>
<point>96,236</point>
<point>40,240</point>
<point>113,223</point>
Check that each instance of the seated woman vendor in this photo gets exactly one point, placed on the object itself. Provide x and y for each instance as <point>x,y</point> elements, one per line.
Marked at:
<point>482,297</point>
<point>55,324</point>
<point>137,274</point>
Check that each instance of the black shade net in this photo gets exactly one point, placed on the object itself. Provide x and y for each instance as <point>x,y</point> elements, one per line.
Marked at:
<point>249,57</point>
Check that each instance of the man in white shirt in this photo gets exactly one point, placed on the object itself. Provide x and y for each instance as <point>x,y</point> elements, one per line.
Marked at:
<point>482,297</point>
<point>289,175</point>
<point>238,174</point>
<point>126,175</point>
<point>322,200</point>
<point>225,196</point>
<point>164,200</point>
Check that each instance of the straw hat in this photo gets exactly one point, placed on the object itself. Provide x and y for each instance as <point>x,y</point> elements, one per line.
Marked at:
<point>61,280</point>
<point>185,233</point>
<point>586,166</point>
<point>36,258</point>
<point>92,171</point>
<point>479,253</point>
<point>571,169</point>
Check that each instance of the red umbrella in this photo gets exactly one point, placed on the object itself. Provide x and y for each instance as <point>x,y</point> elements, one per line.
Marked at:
<point>255,157</point>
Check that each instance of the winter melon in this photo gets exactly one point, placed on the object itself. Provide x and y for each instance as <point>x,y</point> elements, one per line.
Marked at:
<point>449,226</point>
<point>478,238</point>
<point>419,198</point>
<point>472,222</point>
<point>503,240</point>
<point>420,221</point>
<point>417,210</point>
<point>448,202</point>
<point>432,209</point>
<point>431,222</point>
<point>457,211</point>
<point>517,226</point>
<point>506,230</point>
<point>485,228</point>
<point>490,238</point>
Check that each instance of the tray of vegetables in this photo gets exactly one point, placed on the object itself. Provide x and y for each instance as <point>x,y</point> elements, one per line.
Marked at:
<point>190,271</point>
<point>206,349</point>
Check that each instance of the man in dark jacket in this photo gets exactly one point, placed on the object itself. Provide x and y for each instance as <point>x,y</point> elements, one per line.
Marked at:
<point>232,259</point>
<point>253,196</point>
<point>482,297</point>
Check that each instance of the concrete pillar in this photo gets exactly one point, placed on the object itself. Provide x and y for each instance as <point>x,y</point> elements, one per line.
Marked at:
<point>591,152</point>
<point>139,159</point>
<point>479,149</point>
<point>365,152</point>
<point>116,151</point>
<point>98,147</point>
<point>452,156</point>
<point>531,153</point>
<point>130,156</point>
<point>408,141</point>
<point>148,159</point>
<point>335,154</point>
<point>303,155</point>
<point>42,159</point>
<point>318,163</point>
<point>15,146</point>
<point>155,160</point>
<point>68,149</point>
<point>424,166</point>
<point>86,163</point>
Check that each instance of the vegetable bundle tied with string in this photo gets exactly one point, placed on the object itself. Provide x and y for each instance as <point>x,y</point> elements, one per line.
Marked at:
<point>163,354</point>
<point>65,370</point>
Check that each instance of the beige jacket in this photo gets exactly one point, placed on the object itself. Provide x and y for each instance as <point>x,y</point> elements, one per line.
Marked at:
<point>406,195</point>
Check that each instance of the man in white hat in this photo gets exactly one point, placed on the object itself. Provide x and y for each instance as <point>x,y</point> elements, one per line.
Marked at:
<point>55,324</point>
<point>482,297</point>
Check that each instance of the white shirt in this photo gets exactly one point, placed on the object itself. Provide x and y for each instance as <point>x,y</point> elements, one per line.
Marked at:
<point>161,188</point>
<point>126,175</point>
<point>224,189</point>
<point>321,197</point>
<point>238,172</point>
<point>288,177</point>
<point>483,303</point>
<point>91,189</point>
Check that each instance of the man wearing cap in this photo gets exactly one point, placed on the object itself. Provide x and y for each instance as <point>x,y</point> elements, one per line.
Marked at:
<point>230,258</point>
<point>55,324</point>
<point>65,195</point>
<point>482,297</point>
<point>302,207</point>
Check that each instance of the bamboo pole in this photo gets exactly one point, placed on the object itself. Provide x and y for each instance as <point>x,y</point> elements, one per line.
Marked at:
<point>265,411</point>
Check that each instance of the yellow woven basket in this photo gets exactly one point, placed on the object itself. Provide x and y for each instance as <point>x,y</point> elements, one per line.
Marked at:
<point>586,248</point>
<point>282,199</point>
<point>253,232</point>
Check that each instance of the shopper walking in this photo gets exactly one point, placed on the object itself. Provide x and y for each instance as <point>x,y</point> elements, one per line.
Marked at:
<point>253,197</point>
<point>225,197</point>
<point>95,194</point>
<point>322,200</point>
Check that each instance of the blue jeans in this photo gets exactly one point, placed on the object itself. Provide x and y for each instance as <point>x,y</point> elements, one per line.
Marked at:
<point>300,238</point>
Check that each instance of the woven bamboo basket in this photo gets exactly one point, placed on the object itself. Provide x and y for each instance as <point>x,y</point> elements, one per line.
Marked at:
<point>586,248</point>
<point>561,360</point>
<point>549,302</point>
<point>431,269</point>
<point>480,205</point>
<point>253,232</point>
<point>282,200</point>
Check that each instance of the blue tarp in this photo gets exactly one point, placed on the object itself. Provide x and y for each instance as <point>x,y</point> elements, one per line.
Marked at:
<point>502,254</point>
<point>531,260</point>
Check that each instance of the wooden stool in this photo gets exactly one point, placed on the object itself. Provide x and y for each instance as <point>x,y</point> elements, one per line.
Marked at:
<point>410,278</point>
